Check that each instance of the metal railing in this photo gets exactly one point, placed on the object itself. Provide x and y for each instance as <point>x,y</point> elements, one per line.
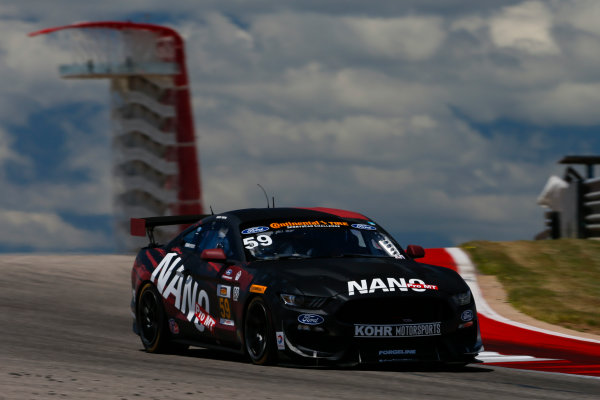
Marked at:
<point>590,204</point>
<point>578,215</point>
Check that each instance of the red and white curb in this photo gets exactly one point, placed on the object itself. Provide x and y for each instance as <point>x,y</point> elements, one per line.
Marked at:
<point>517,345</point>
<point>492,357</point>
<point>467,270</point>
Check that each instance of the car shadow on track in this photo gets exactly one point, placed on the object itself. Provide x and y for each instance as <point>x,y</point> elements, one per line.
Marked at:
<point>418,367</point>
<point>210,354</point>
<point>217,355</point>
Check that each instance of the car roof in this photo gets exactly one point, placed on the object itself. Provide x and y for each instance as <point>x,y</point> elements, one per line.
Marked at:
<point>254,214</point>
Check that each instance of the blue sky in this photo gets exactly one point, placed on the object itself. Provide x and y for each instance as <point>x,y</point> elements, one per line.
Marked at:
<point>440,120</point>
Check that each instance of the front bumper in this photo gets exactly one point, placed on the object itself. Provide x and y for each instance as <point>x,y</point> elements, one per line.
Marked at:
<point>402,331</point>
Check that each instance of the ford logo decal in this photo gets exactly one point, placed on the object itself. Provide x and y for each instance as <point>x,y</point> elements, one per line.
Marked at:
<point>310,319</point>
<point>256,229</point>
<point>365,227</point>
<point>466,315</point>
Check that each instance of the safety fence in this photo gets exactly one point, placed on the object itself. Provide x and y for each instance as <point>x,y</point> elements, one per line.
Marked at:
<point>574,208</point>
<point>590,205</point>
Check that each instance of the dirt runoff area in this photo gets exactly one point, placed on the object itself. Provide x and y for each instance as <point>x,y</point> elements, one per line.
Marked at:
<point>495,295</point>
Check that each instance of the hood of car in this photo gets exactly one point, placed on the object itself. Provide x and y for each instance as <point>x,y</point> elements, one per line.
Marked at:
<point>354,277</point>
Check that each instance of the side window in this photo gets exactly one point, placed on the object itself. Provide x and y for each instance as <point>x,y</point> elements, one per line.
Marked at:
<point>192,238</point>
<point>221,237</point>
<point>212,235</point>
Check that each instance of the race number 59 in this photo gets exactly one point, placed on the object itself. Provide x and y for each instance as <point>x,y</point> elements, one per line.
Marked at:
<point>224,308</point>
<point>253,241</point>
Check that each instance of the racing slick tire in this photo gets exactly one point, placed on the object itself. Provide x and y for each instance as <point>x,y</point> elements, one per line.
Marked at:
<point>259,336</point>
<point>151,321</point>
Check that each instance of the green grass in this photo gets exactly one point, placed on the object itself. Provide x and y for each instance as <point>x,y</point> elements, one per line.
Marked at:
<point>556,281</point>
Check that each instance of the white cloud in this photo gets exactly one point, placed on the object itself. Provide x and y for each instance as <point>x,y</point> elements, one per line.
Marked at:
<point>330,104</point>
<point>46,231</point>
<point>8,154</point>
<point>473,24</point>
<point>406,173</point>
<point>524,27</point>
<point>579,14</point>
<point>410,38</point>
<point>29,68</point>
<point>562,104</point>
<point>310,37</point>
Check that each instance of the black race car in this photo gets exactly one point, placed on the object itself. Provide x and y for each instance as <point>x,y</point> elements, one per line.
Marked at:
<point>311,284</point>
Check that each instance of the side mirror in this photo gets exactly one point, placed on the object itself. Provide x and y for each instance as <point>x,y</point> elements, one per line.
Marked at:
<point>415,251</point>
<point>217,255</point>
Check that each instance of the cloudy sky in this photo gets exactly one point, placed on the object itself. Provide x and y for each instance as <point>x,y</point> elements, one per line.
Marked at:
<point>442,120</point>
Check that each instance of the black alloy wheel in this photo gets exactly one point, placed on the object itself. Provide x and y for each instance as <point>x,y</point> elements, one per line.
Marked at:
<point>151,319</point>
<point>259,336</point>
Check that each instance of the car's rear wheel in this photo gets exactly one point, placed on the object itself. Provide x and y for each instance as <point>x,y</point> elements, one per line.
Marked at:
<point>150,316</point>
<point>259,337</point>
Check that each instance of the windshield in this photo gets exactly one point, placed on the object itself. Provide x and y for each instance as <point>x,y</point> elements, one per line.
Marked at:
<point>316,239</point>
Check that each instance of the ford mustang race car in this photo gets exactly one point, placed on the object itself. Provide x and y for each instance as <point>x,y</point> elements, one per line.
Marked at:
<point>313,284</point>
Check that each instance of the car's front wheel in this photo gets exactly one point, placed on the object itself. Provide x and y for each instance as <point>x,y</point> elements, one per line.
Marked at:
<point>259,336</point>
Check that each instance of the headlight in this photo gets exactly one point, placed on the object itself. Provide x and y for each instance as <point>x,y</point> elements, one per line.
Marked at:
<point>295,300</point>
<point>462,299</point>
<point>292,300</point>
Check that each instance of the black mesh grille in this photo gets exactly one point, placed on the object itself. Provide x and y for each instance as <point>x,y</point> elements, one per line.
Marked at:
<point>393,310</point>
<point>314,302</point>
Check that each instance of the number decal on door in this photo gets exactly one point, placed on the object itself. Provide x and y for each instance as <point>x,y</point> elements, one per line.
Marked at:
<point>224,308</point>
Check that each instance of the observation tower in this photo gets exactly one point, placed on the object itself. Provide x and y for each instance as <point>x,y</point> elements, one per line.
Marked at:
<point>155,165</point>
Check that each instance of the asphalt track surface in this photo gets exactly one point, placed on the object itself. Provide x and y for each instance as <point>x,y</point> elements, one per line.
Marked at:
<point>66,333</point>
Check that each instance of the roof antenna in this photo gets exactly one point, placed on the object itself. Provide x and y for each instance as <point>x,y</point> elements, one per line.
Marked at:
<point>265,192</point>
<point>273,201</point>
<point>211,210</point>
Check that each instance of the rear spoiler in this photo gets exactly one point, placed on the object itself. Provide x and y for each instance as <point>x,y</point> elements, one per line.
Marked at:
<point>145,226</point>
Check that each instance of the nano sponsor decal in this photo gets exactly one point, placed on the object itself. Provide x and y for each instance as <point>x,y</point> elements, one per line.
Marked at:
<point>258,289</point>
<point>226,322</point>
<point>402,330</point>
<point>221,216</point>
<point>280,339</point>
<point>388,285</point>
<point>204,318</point>
<point>466,315</point>
<point>185,292</point>
<point>308,224</point>
<point>363,226</point>
<point>238,275</point>
<point>310,319</point>
<point>256,229</point>
<point>190,245</point>
<point>236,293</point>
<point>173,327</point>
<point>223,291</point>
